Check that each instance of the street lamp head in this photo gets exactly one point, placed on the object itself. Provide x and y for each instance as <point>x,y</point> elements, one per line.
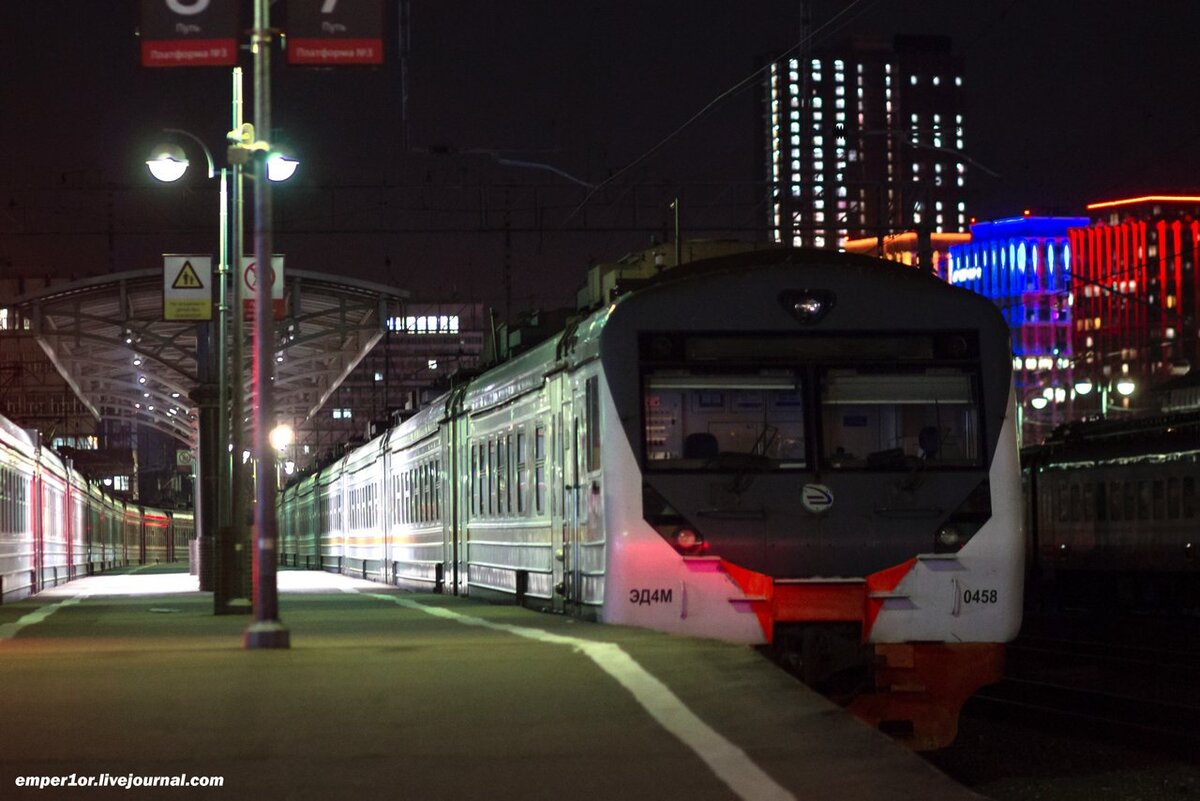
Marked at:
<point>281,165</point>
<point>167,163</point>
<point>1039,402</point>
<point>1084,386</point>
<point>1126,386</point>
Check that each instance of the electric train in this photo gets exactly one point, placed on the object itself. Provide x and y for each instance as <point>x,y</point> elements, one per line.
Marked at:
<point>1112,515</point>
<point>55,525</point>
<point>803,449</point>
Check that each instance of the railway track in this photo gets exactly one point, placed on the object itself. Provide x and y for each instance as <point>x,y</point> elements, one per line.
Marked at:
<point>1112,684</point>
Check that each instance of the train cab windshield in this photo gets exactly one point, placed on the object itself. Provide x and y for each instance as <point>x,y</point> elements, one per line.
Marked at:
<point>701,421</point>
<point>913,406</point>
<point>888,419</point>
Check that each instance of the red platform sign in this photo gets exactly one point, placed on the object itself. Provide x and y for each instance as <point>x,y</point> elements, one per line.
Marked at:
<point>334,32</point>
<point>189,33</point>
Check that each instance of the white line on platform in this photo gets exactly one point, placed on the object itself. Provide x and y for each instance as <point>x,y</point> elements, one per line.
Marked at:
<point>9,630</point>
<point>730,763</point>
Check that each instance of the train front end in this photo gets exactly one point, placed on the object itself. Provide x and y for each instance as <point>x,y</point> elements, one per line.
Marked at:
<point>826,455</point>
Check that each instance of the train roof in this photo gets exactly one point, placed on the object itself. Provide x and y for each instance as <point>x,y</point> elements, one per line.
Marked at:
<point>1109,439</point>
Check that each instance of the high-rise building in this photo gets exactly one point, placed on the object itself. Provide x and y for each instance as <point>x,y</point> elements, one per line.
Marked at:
<point>866,140</point>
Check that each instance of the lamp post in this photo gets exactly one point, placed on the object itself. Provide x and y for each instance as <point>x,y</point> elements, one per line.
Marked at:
<point>168,163</point>
<point>229,510</point>
<point>1123,386</point>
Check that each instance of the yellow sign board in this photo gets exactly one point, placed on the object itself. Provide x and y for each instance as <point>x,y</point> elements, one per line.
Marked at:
<point>187,287</point>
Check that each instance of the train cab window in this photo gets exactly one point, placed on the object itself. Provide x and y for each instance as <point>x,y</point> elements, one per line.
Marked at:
<point>892,420</point>
<point>1173,498</point>
<point>723,421</point>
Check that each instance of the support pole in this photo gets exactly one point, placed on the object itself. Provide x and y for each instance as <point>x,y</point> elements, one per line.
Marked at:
<point>266,631</point>
<point>231,591</point>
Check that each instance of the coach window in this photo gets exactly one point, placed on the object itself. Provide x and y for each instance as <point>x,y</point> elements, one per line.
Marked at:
<point>522,475</point>
<point>1173,498</point>
<point>592,393</point>
<point>1143,500</point>
<point>696,421</point>
<point>1159,499</point>
<point>491,497</point>
<point>1101,501</point>
<point>889,420</point>
<point>539,470</point>
<point>472,481</point>
<point>1089,502</point>
<point>501,477</point>
<point>1189,497</point>
<point>1074,514</point>
<point>1114,501</point>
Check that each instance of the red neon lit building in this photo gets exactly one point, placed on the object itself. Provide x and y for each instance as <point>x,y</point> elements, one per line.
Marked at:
<point>1136,297</point>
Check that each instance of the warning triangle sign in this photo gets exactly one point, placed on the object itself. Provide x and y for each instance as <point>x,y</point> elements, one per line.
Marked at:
<point>187,278</point>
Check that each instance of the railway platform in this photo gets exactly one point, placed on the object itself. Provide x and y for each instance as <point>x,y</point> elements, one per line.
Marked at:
<point>393,695</point>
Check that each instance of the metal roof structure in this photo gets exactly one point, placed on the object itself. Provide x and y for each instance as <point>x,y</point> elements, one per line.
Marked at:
<point>107,338</point>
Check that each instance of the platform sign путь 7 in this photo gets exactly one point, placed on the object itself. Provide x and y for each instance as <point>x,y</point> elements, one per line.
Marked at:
<point>187,287</point>
<point>330,33</point>
<point>189,33</point>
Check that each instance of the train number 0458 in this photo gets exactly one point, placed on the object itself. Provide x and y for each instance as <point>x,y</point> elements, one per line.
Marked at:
<point>980,596</point>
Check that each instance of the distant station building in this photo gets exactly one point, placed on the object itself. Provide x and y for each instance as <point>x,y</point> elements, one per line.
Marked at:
<point>906,249</point>
<point>866,139</point>
<point>1024,264</point>
<point>1136,292</point>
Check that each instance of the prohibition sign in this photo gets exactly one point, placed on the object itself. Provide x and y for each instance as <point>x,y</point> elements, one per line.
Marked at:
<point>250,276</point>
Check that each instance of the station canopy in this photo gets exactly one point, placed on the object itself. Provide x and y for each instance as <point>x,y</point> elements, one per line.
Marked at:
<point>107,338</point>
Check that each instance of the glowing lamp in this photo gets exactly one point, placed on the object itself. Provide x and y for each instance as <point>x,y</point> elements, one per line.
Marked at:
<point>281,436</point>
<point>167,163</point>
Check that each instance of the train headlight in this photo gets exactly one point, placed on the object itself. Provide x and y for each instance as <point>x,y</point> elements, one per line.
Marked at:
<point>808,306</point>
<point>687,539</point>
<point>949,538</point>
<point>965,521</point>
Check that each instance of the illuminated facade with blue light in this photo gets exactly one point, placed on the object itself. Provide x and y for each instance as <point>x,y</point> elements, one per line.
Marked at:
<point>1024,265</point>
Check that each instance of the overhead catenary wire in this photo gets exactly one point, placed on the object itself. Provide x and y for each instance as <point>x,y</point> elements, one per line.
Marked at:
<point>804,43</point>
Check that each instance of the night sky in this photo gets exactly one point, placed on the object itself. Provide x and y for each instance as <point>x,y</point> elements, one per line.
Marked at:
<point>1067,101</point>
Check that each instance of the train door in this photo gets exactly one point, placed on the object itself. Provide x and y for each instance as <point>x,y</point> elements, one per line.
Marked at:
<point>449,484</point>
<point>574,517</point>
<point>37,522</point>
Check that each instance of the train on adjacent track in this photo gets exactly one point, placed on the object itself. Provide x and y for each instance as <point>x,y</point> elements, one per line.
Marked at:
<point>1112,515</point>
<point>55,525</point>
<point>804,449</point>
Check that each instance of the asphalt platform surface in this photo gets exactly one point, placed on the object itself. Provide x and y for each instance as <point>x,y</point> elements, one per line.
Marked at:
<point>392,695</point>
